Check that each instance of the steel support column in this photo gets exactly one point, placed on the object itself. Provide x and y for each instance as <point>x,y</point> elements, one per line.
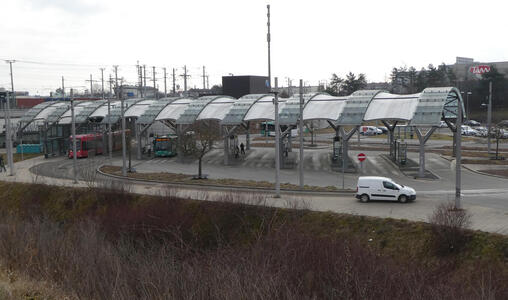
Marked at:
<point>423,139</point>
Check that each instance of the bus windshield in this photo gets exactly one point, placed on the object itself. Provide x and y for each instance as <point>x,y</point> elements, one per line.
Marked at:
<point>161,145</point>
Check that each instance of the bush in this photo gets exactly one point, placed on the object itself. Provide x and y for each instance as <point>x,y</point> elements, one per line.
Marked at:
<point>449,228</point>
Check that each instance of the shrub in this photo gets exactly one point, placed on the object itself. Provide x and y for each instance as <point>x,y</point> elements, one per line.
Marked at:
<point>449,228</point>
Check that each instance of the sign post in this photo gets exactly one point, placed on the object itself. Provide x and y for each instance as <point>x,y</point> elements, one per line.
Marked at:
<point>361,158</point>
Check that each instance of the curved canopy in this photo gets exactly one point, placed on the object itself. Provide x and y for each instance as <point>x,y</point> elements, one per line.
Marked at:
<point>386,106</point>
<point>138,108</point>
<point>323,106</point>
<point>197,107</point>
<point>242,106</point>
<point>427,108</point>
<point>264,109</point>
<point>173,110</point>
<point>217,109</point>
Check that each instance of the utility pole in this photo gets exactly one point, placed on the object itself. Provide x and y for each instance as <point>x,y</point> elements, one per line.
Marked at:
<point>110,138</point>
<point>74,154</point>
<point>165,83</point>
<point>268,39</point>
<point>489,117</point>
<point>102,82</point>
<point>184,75</point>
<point>207,82</point>
<point>458,153</point>
<point>8,136</point>
<point>300,132</point>
<point>277,142</point>
<point>174,79</point>
<point>124,143</point>
<point>154,88</point>
<point>289,87</point>
<point>91,88</point>
<point>144,81</point>
<point>140,81</point>
<point>117,91</point>
<point>110,86</point>
<point>204,76</point>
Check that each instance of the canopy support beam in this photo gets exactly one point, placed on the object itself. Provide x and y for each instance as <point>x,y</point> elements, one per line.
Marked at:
<point>423,138</point>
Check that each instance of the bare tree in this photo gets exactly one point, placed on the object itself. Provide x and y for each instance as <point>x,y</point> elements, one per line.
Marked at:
<point>199,140</point>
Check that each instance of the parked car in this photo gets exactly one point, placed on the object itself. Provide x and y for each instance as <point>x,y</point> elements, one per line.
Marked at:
<point>370,130</point>
<point>468,131</point>
<point>383,129</point>
<point>481,131</point>
<point>383,188</point>
<point>472,123</point>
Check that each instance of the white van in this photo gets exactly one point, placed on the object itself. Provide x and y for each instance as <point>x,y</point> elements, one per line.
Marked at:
<point>382,188</point>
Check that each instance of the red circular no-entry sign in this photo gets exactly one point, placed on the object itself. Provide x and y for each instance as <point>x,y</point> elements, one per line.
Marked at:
<point>362,157</point>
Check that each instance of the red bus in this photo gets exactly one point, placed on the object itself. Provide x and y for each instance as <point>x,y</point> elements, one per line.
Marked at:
<point>92,143</point>
<point>87,145</point>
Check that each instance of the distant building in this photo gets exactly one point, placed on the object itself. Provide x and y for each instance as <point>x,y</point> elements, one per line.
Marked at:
<point>462,67</point>
<point>132,91</point>
<point>238,86</point>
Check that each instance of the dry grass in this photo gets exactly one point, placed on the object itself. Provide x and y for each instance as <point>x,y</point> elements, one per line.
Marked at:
<point>503,172</point>
<point>108,244</point>
<point>226,182</point>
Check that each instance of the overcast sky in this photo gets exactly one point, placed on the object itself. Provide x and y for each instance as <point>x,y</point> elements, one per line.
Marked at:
<point>310,39</point>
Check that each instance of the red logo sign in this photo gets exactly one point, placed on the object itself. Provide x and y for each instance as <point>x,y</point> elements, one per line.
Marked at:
<point>481,69</point>
<point>362,157</point>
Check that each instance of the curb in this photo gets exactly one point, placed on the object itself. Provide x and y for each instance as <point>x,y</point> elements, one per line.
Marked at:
<point>476,171</point>
<point>228,188</point>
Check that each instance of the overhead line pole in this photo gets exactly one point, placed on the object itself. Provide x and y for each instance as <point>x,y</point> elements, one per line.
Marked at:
<point>165,83</point>
<point>204,76</point>
<point>268,39</point>
<point>154,86</point>
<point>144,81</point>
<point>300,162</point>
<point>489,117</point>
<point>74,148</point>
<point>174,79</point>
<point>8,136</point>
<point>277,143</point>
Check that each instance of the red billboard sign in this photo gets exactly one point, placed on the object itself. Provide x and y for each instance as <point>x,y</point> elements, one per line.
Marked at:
<point>481,69</point>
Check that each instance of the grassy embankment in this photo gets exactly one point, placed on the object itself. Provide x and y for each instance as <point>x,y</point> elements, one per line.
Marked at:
<point>105,243</point>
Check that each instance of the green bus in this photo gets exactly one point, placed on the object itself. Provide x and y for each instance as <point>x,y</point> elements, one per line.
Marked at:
<point>165,146</point>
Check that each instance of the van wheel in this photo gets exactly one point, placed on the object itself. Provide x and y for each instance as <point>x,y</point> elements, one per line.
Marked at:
<point>402,198</point>
<point>364,198</point>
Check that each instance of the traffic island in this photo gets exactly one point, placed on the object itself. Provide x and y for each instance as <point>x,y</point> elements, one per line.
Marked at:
<point>186,179</point>
<point>410,168</point>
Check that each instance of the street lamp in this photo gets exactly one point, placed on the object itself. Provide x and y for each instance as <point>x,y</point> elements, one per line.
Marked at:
<point>467,104</point>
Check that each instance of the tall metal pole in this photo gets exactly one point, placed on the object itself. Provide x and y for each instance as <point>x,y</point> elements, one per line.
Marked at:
<point>458,154</point>
<point>91,89</point>
<point>74,154</point>
<point>204,78</point>
<point>268,39</point>
<point>154,87</point>
<point>117,90</point>
<point>124,143</point>
<point>300,132</point>
<point>277,142</point>
<point>144,81</point>
<point>489,116</point>
<point>110,137</point>
<point>165,83</point>
<point>8,136</point>
<point>174,79</point>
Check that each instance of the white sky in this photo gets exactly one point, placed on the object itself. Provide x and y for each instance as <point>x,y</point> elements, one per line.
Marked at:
<point>310,39</point>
